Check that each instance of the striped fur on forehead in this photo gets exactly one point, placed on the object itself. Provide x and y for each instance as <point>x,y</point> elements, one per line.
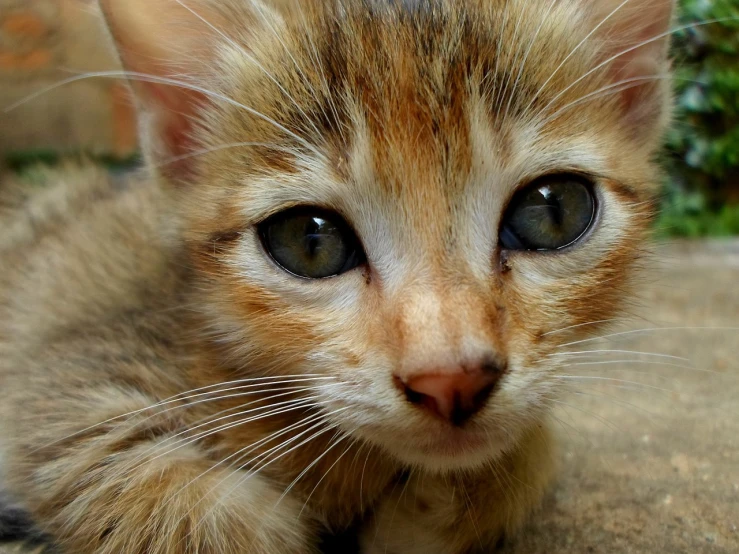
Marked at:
<point>410,75</point>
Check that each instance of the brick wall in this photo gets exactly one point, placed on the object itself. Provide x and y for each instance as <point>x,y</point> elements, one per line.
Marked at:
<point>41,43</point>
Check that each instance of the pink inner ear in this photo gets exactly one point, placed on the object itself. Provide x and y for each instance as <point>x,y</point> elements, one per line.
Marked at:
<point>637,40</point>
<point>164,39</point>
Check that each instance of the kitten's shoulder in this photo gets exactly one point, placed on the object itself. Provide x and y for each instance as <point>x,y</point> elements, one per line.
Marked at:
<point>99,241</point>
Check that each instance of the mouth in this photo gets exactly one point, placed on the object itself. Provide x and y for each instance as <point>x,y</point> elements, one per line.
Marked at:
<point>449,448</point>
<point>453,442</point>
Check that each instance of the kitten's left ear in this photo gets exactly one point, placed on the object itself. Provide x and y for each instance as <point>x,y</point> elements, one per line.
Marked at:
<point>636,41</point>
<point>169,48</point>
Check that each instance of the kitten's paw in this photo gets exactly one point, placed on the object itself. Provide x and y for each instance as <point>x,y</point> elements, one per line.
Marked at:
<point>174,504</point>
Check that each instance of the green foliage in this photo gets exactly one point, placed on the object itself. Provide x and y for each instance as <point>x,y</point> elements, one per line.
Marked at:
<point>686,214</point>
<point>703,145</point>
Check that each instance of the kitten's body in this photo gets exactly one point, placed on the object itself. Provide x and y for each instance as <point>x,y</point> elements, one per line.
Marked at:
<point>116,296</point>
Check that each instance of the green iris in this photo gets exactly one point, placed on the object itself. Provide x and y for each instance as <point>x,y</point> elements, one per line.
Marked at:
<point>311,243</point>
<point>551,214</point>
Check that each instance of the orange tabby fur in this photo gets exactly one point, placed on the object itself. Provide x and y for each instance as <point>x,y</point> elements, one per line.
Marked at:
<point>415,120</point>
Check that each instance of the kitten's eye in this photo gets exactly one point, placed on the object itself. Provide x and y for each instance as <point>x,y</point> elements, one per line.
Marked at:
<point>311,243</point>
<point>550,214</point>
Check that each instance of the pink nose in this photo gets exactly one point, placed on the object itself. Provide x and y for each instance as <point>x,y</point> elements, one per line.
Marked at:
<point>455,396</point>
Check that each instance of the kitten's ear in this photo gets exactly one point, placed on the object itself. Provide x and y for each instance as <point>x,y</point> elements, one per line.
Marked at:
<point>161,43</point>
<point>636,41</point>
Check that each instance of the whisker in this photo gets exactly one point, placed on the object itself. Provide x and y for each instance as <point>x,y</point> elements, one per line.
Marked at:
<point>139,462</point>
<point>563,329</point>
<point>273,409</point>
<point>627,363</point>
<point>574,51</point>
<point>244,52</point>
<point>177,398</point>
<point>255,471</point>
<point>509,76</point>
<point>253,446</point>
<point>647,330</point>
<point>361,480</point>
<point>613,89</point>
<point>566,425</point>
<point>258,7</point>
<point>612,380</point>
<point>180,398</point>
<point>623,403</point>
<point>603,420</point>
<point>338,459</point>
<point>522,65</point>
<point>204,151</point>
<point>636,47</point>
<point>650,354</point>
<point>148,78</point>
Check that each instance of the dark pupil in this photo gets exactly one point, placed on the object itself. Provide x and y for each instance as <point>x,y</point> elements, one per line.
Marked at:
<point>552,205</point>
<point>548,216</point>
<point>311,244</point>
<point>315,231</point>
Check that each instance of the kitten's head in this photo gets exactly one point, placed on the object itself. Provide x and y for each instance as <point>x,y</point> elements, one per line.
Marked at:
<point>413,198</point>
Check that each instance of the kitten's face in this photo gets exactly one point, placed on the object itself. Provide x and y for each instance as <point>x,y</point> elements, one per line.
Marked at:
<point>436,148</point>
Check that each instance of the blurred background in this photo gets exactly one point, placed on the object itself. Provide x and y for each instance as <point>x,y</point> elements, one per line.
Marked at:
<point>43,42</point>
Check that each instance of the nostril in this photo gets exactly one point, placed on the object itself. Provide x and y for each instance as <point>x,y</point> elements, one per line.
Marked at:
<point>455,396</point>
<point>414,397</point>
<point>494,365</point>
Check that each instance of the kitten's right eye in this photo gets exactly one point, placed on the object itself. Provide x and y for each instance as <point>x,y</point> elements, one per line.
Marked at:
<point>550,214</point>
<point>311,243</point>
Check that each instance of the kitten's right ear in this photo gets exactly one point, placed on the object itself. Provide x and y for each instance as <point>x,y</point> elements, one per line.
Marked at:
<point>168,47</point>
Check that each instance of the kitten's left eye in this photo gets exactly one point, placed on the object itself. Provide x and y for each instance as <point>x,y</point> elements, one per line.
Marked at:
<point>550,214</point>
<point>311,243</point>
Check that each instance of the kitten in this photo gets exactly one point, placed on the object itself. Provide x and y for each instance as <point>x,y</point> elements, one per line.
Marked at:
<point>334,301</point>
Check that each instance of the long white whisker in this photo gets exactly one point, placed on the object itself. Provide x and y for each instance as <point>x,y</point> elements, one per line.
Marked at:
<point>277,409</point>
<point>244,52</point>
<point>526,56</point>
<point>650,354</point>
<point>203,151</point>
<point>636,47</point>
<point>148,78</point>
<point>288,51</point>
<point>302,473</point>
<point>271,409</point>
<point>574,51</point>
<point>338,459</point>
<point>607,423</point>
<point>612,89</point>
<point>563,329</point>
<point>255,471</point>
<point>178,398</point>
<point>509,75</point>
<point>618,401</point>
<point>611,380</point>
<point>253,446</point>
<point>647,330</point>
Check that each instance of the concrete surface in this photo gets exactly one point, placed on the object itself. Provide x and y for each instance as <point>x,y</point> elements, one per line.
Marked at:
<point>653,467</point>
<point>647,470</point>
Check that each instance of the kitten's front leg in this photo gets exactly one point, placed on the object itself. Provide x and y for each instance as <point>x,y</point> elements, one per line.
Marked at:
<point>460,513</point>
<point>118,493</point>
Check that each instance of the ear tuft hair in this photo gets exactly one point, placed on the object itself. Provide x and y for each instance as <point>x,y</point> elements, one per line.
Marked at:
<point>636,38</point>
<point>168,48</point>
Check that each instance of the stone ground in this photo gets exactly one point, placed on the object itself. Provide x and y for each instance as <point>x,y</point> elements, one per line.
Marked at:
<point>648,470</point>
<point>653,467</point>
